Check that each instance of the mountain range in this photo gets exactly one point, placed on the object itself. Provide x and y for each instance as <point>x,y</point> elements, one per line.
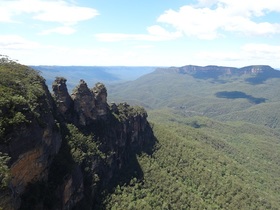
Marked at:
<point>224,93</point>
<point>94,74</point>
<point>218,139</point>
<point>208,137</point>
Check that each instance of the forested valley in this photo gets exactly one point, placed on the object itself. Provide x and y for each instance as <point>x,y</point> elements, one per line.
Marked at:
<point>176,138</point>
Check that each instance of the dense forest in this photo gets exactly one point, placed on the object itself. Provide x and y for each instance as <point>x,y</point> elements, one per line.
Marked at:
<point>200,163</point>
<point>205,142</point>
<point>218,139</point>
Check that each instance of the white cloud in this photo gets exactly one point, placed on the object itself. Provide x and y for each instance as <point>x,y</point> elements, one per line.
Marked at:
<point>5,15</point>
<point>155,33</point>
<point>144,46</point>
<point>250,7</point>
<point>248,54</point>
<point>262,51</point>
<point>15,42</point>
<point>29,52</point>
<point>200,22</point>
<point>65,30</point>
<point>248,27</point>
<point>64,13</point>
<point>46,10</point>
<point>206,3</point>
<point>161,34</point>
<point>209,19</point>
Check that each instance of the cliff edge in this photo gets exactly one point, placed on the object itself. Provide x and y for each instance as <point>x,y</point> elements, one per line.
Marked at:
<point>61,150</point>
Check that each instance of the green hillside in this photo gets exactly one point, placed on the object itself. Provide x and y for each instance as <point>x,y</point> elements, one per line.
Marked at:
<point>216,145</point>
<point>218,140</point>
<point>204,164</point>
<point>224,98</point>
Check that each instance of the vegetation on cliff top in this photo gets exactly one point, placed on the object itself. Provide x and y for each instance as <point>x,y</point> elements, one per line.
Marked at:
<point>197,163</point>
<point>20,90</point>
<point>123,111</point>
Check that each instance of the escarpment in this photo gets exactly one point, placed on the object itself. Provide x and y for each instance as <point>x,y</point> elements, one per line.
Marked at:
<point>29,133</point>
<point>67,148</point>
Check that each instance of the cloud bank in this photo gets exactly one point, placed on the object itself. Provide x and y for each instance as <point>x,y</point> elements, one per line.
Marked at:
<point>208,20</point>
<point>52,11</point>
<point>212,19</point>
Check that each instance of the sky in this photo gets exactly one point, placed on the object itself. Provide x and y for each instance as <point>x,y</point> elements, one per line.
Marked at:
<point>141,33</point>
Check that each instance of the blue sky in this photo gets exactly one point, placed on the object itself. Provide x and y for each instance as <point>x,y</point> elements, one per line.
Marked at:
<point>141,33</point>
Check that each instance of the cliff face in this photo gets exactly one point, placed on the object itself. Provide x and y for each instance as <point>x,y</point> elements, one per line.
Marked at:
<point>63,100</point>
<point>30,134</point>
<point>69,148</point>
<point>84,106</point>
<point>260,72</point>
<point>121,131</point>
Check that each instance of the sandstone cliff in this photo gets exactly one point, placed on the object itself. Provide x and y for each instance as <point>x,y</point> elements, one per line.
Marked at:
<point>67,149</point>
<point>260,72</point>
<point>30,136</point>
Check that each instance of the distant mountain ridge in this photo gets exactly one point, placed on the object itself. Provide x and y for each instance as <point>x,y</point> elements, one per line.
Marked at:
<point>93,74</point>
<point>249,93</point>
<point>213,71</point>
<point>223,69</point>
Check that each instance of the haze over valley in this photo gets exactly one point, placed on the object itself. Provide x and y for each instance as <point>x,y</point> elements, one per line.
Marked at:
<point>207,137</point>
<point>149,105</point>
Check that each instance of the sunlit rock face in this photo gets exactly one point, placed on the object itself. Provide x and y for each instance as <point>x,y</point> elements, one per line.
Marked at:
<point>41,158</point>
<point>100,95</point>
<point>32,146</point>
<point>63,100</point>
<point>84,105</point>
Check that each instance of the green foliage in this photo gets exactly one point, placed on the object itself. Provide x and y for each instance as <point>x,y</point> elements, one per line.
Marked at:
<point>190,96</point>
<point>20,91</point>
<point>204,164</point>
<point>77,150</point>
<point>4,171</point>
<point>83,148</point>
<point>125,111</point>
<point>198,162</point>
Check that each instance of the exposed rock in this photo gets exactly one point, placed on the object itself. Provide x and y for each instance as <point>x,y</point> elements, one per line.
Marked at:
<point>204,72</point>
<point>63,100</point>
<point>123,131</point>
<point>100,94</point>
<point>90,105</point>
<point>114,108</point>
<point>84,104</point>
<point>129,133</point>
<point>32,147</point>
<point>72,189</point>
<point>44,172</point>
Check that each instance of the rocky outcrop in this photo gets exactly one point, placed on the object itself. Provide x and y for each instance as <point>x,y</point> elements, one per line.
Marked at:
<point>63,100</point>
<point>205,72</point>
<point>70,148</point>
<point>122,132</point>
<point>72,190</point>
<point>84,105</point>
<point>32,146</point>
<point>100,95</point>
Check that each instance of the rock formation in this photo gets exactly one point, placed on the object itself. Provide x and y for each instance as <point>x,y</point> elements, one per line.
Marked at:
<point>84,105</point>
<point>63,100</point>
<point>31,146</point>
<point>73,148</point>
